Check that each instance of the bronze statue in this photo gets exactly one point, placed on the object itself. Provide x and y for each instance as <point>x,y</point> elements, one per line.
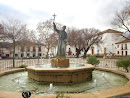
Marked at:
<point>61,52</point>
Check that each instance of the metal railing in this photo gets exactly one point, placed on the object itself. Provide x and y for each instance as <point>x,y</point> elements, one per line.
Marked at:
<point>8,64</point>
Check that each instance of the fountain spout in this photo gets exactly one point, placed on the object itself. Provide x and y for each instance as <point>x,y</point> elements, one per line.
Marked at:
<point>51,87</point>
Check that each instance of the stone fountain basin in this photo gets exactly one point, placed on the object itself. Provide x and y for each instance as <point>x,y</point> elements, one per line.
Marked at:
<point>61,75</point>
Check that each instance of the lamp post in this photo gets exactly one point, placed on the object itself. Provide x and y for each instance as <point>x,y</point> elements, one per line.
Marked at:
<point>38,43</point>
<point>112,49</point>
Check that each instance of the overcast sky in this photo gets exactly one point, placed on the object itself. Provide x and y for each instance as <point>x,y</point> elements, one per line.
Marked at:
<point>76,13</point>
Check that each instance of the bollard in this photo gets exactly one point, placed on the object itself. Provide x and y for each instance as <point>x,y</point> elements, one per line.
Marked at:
<point>26,94</point>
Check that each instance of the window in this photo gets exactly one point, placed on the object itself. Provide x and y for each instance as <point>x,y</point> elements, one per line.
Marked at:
<point>28,55</point>
<point>126,53</point>
<point>16,55</point>
<point>122,46</point>
<point>7,55</point>
<point>39,54</point>
<point>117,52</point>
<point>33,55</point>
<point>125,46</point>
<point>122,53</point>
<point>33,48</point>
<point>22,49</point>
<point>117,46</point>
<point>22,55</point>
<point>39,48</point>
<point>28,49</point>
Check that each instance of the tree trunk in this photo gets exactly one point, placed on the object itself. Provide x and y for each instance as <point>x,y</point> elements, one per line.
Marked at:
<point>77,55</point>
<point>127,70</point>
<point>85,52</point>
<point>47,53</point>
<point>22,57</point>
<point>13,53</point>
<point>77,52</point>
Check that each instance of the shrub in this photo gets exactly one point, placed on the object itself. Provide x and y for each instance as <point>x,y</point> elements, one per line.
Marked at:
<point>22,66</point>
<point>93,60</point>
<point>125,63</point>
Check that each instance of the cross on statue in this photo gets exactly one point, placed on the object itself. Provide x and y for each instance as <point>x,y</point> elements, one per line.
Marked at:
<point>54,16</point>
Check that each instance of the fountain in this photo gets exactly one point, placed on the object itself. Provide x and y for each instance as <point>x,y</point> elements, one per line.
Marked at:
<point>19,82</point>
<point>61,71</point>
<point>74,76</point>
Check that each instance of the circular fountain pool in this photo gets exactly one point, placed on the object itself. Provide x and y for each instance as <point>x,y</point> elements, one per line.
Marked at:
<point>101,80</point>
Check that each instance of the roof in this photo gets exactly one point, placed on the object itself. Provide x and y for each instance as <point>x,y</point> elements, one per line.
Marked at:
<point>124,41</point>
<point>110,31</point>
<point>4,44</point>
<point>28,43</point>
<point>127,35</point>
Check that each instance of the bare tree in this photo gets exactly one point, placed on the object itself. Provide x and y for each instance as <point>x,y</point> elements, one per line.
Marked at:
<point>12,31</point>
<point>83,39</point>
<point>75,39</point>
<point>46,36</point>
<point>25,40</point>
<point>122,18</point>
<point>2,35</point>
<point>90,37</point>
<point>32,36</point>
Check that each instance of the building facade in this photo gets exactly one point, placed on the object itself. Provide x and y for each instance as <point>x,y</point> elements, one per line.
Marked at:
<point>107,47</point>
<point>123,48</point>
<point>30,51</point>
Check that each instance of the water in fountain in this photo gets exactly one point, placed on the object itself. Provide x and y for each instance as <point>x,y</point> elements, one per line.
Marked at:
<point>49,59</point>
<point>51,87</point>
<point>10,83</point>
<point>103,74</point>
<point>49,65</point>
<point>95,82</point>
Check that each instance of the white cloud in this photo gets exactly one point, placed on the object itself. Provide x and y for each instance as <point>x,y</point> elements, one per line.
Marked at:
<point>78,13</point>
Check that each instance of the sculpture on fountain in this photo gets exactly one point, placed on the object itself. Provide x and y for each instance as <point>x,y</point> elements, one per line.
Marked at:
<point>61,52</point>
<point>61,60</point>
<point>64,74</point>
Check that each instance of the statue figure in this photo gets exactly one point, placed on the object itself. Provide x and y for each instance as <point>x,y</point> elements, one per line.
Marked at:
<point>61,52</point>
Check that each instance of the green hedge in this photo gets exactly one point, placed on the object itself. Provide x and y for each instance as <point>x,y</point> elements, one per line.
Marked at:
<point>22,66</point>
<point>93,60</point>
<point>125,63</point>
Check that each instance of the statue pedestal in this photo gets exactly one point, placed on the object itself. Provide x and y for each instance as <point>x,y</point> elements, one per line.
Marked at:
<point>59,62</point>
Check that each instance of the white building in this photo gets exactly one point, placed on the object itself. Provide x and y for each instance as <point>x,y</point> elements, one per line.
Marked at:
<point>30,51</point>
<point>123,48</point>
<point>4,49</point>
<point>109,38</point>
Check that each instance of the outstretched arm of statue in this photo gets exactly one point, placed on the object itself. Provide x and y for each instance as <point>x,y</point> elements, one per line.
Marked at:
<point>54,25</point>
